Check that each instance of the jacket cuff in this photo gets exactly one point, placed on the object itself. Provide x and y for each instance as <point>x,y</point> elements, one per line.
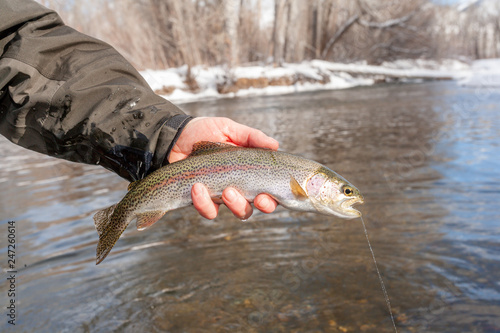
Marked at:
<point>169,135</point>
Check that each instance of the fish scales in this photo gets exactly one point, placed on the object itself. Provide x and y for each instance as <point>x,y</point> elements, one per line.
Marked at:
<point>245,170</point>
<point>295,182</point>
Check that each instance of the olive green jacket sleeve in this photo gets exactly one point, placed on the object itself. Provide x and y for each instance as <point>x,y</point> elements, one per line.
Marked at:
<point>68,95</point>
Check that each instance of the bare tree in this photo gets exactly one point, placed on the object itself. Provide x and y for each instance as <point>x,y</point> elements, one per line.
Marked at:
<point>166,33</point>
<point>279,31</point>
<point>231,21</point>
<point>316,15</point>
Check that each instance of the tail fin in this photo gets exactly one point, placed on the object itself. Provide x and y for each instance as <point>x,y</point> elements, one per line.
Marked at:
<point>109,228</point>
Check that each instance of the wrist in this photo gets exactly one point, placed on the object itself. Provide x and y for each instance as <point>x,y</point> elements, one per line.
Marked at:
<point>170,133</point>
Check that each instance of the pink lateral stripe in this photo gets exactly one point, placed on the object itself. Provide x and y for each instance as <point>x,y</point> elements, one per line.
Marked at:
<point>203,171</point>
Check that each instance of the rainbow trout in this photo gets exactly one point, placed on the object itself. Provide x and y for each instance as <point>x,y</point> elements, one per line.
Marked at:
<point>295,182</point>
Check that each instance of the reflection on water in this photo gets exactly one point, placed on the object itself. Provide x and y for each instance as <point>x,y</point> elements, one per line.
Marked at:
<point>425,157</point>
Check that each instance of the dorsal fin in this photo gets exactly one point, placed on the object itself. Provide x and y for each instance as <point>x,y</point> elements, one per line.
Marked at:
<point>208,147</point>
<point>132,185</point>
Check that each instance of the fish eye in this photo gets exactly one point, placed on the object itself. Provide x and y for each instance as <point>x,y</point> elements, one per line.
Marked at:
<point>348,191</point>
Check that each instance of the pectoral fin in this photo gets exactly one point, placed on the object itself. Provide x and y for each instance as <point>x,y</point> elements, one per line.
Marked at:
<point>297,190</point>
<point>147,219</point>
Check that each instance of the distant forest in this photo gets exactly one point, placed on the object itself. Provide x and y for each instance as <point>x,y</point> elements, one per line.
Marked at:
<point>159,34</point>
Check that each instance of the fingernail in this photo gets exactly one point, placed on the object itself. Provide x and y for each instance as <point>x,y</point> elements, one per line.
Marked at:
<point>230,195</point>
<point>197,190</point>
<point>265,202</point>
<point>200,191</point>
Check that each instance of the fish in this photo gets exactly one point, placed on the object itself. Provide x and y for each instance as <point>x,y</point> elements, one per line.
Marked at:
<point>293,181</point>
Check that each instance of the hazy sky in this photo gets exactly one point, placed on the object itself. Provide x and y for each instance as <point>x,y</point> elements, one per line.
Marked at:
<point>447,2</point>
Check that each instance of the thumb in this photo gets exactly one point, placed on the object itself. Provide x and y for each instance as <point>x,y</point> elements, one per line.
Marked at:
<point>245,136</point>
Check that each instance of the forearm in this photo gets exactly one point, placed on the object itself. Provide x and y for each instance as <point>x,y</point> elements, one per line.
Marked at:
<point>68,95</point>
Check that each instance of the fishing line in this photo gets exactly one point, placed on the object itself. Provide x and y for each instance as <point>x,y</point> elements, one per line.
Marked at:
<point>379,276</point>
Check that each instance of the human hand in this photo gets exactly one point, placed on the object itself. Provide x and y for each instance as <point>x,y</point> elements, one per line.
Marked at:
<point>227,131</point>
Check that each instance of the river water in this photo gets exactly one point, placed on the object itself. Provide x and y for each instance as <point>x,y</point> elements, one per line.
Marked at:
<point>425,156</point>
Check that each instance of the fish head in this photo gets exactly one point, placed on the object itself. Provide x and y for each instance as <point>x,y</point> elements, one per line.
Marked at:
<point>331,194</point>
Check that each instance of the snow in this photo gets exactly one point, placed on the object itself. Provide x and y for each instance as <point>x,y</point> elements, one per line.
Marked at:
<point>484,73</point>
<point>254,72</point>
<point>402,69</point>
<point>305,76</point>
<point>157,79</point>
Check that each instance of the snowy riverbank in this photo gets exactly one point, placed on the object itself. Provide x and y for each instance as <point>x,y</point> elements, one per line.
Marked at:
<point>484,73</point>
<point>182,85</point>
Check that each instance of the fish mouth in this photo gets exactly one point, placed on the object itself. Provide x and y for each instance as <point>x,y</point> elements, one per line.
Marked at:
<point>347,208</point>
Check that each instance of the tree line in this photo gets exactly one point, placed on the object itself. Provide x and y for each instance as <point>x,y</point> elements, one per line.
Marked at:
<point>169,33</point>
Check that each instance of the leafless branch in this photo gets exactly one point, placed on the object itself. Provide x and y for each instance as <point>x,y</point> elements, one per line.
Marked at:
<point>388,23</point>
<point>347,24</point>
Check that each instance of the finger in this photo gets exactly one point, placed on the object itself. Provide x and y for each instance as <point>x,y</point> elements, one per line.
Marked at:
<point>250,137</point>
<point>203,203</point>
<point>265,203</point>
<point>237,204</point>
